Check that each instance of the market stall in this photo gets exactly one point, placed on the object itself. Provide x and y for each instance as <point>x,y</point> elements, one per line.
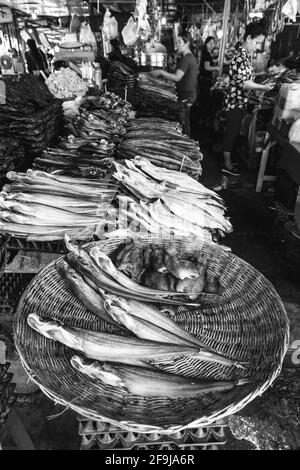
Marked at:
<point>131,293</point>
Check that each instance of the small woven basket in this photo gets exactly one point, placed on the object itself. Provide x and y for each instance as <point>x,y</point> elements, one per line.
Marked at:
<point>251,326</point>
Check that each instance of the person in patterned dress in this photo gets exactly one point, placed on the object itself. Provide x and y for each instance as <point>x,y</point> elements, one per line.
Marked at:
<point>241,76</point>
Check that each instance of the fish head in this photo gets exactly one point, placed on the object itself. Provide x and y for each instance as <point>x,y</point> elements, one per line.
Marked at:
<point>102,260</point>
<point>42,326</point>
<point>71,245</point>
<point>73,259</point>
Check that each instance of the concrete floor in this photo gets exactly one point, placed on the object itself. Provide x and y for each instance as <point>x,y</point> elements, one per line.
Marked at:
<point>259,237</point>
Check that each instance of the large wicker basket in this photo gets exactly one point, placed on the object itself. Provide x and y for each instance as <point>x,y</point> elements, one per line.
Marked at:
<point>252,326</point>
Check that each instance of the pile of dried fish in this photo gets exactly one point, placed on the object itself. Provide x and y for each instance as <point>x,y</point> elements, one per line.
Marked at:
<point>31,114</point>
<point>293,62</point>
<point>273,20</point>
<point>166,201</point>
<point>78,157</point>
<point>109,107</point>
<point>91,126</point>
<point>276,75</point>
<point>163,269</point>
<point>163,143</point>
<point>11,155</point>
<point>143,337</point>
<point>89,150</point>
<point>100,270</point>
<point>164,89</point>
<point>40,206</point>
<point>120,75</point>
<point>153,97</point>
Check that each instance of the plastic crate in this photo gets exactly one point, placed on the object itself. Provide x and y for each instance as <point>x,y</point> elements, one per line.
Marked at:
<point>49,247</point>
<point>100,435</point>
<point>12,286</point>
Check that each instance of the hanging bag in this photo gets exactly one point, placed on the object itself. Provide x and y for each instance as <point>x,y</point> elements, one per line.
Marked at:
<point>110,25</point>
<point>130,32</point>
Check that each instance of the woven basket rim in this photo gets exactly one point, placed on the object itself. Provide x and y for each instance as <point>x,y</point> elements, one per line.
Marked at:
<point>143,428</point>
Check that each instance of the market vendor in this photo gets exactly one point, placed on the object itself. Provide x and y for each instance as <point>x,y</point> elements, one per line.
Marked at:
<point>36,61</point>
<point>116,55</point>
<point>206,69</point>
<point>185,78</point>
<point>241,76</point>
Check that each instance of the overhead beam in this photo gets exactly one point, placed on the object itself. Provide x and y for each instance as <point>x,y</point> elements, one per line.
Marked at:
<point>107,2</point>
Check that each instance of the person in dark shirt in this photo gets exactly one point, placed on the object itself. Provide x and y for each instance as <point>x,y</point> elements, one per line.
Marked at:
<point>36,61</point>
<point>185,78</point>
<point>207,66</point>
<point>116,55</point>
<point>206,69</point>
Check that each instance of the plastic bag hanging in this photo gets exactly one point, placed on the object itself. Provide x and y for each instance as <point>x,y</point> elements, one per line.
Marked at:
<point>86,35</point>
<point>75,24</point>
<point>140,9</point>
<point>110,25</point>
<point>290,9</point>
<point>130,32</point>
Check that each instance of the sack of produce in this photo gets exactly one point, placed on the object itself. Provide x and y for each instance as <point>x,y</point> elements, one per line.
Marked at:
<point>66,83</point>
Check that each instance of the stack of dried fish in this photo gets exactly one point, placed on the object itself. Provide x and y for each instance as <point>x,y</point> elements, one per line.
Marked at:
<point>11,155</point>
<point>273,20</point>
<point>78,157</point>
<point>143,336</point>
<point>166,201</point>
<point>163,143</point>
<point>95,130</point>
<point>109,107</point>
<point>91,126</point>
<point>120,75</point>
<point>164,89</point>
<point>161,268</point>
<point>276,75</point>
<point>293,62</point>
<point>40,206</point>
<point>31,114</point>
<point>153,97</point>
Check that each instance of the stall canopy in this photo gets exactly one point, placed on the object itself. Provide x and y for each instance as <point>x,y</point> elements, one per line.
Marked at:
<point>55,8</point>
